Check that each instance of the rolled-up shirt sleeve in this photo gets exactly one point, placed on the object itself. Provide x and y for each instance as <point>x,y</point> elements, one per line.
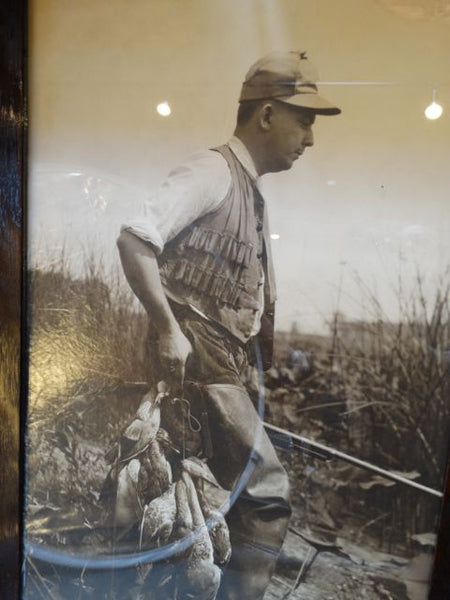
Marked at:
<point>191,190</point>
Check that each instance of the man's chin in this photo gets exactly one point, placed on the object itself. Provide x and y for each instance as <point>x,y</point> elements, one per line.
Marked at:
<point>284,166</point>
<point>287,166</point>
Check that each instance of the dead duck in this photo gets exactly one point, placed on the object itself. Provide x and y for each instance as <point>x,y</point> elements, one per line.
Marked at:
<point>127,508</point>
<point>200,579</point>
<point>199,470</point>
<point>218,530</point>
<point>199,582</point>
<point>158,518</point>
<point>143,429</point>
<point>155,475</point>
<point>184,523</point>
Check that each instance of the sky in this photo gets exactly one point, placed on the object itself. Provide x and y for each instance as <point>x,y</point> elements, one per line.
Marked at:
<point>361,215</point>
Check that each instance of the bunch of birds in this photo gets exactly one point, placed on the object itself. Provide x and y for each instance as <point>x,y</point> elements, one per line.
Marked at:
<point>163,497</point>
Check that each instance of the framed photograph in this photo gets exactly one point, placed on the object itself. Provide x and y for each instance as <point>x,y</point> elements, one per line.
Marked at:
<point>191,166</point>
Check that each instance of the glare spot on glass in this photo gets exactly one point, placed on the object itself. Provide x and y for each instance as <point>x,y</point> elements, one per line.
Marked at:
<point>164,109</point>
<point>433,111</point>
<point>331,182</point>
<point>275,236</point>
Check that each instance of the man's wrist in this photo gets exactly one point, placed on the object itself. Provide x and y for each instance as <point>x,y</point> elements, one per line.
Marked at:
<point>166,326</point>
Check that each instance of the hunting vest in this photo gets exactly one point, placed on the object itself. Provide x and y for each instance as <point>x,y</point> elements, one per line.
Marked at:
<point>217,262</point>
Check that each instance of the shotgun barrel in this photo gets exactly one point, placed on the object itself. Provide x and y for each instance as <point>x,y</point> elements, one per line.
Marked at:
<point>325,452</point>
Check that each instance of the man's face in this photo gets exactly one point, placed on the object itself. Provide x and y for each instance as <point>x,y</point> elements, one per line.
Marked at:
<point>289,134</point>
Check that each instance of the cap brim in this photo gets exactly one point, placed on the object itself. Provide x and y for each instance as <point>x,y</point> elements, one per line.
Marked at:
<point>312,102</point>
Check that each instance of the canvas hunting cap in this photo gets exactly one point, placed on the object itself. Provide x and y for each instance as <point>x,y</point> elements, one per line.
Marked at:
<point>288,77</point>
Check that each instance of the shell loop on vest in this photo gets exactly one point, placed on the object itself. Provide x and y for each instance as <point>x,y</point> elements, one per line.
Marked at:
<point>222,244</point>
<point>207,281</point>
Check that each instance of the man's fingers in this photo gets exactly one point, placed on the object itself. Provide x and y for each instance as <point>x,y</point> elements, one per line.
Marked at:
<point>174,374</point>
<point>172,367</point>
<point>173,353</point>
<point>176,383</point>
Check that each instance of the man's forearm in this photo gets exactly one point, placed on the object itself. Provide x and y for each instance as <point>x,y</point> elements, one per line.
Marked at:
<point>141,270</point>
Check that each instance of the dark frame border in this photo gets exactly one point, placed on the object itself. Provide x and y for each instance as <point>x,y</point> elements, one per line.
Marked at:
<point>440,579</point>
<point>13,146</point>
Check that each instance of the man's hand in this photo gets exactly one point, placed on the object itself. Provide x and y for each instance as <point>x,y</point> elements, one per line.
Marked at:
<point>173,349</point>
<point>141,270</point>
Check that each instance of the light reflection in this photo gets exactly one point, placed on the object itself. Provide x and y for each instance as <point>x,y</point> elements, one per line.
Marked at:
<point>164,109</point>
<point>434,110</point>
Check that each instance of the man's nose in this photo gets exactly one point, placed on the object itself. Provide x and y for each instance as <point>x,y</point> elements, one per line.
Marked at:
<point>308,140</point>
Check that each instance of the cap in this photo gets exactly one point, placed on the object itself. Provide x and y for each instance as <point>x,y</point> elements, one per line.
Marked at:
<point>288,77</point>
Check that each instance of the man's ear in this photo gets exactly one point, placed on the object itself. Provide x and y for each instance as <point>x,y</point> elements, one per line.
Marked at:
<point>266,116</point>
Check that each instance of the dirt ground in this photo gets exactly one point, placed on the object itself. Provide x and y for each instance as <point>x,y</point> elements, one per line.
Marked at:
<point>352,573</point>
<point>340,570</point>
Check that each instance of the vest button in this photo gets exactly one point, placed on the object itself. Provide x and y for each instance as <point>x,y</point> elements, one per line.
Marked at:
<point>259,226</point>
<point>259,255</point>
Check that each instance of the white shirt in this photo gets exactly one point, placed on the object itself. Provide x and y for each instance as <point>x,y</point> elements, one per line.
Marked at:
<point>190,191</point>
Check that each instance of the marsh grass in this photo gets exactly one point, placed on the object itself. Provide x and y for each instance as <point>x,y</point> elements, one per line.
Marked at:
<point>86,337</point>
<point>395,378</point>
<point>378,389</point>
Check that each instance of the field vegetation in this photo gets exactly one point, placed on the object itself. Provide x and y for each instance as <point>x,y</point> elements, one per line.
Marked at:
<point>372,388</point>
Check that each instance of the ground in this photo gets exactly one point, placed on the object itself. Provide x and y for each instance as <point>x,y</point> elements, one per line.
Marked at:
<point>363,574</point>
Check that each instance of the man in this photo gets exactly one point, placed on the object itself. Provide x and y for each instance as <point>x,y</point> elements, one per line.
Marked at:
<point>199,261</point>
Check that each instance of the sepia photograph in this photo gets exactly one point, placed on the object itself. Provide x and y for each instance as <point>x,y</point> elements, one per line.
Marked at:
<point>238,299</point>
